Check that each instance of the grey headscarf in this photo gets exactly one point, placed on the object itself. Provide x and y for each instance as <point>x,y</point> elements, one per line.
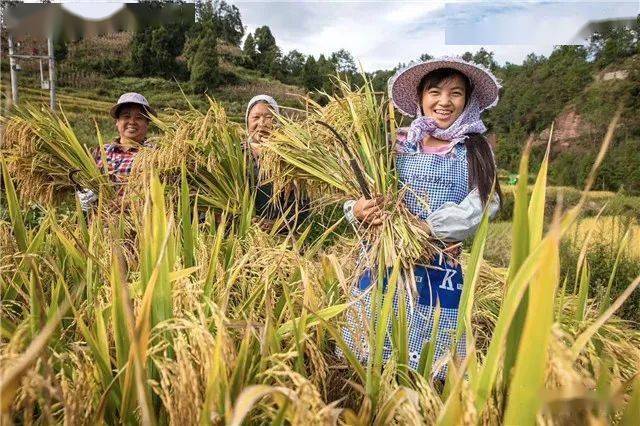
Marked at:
<point>260,98</point>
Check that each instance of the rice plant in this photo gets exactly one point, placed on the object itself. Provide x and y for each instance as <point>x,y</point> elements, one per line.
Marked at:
<point>211,150</point>
<point>46,158</point>
<point>342,151</point>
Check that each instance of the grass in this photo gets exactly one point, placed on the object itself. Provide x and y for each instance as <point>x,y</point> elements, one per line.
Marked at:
<point>614,203</point>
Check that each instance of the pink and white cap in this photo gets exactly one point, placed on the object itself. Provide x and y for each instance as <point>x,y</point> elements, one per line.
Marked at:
<point>131,98</point>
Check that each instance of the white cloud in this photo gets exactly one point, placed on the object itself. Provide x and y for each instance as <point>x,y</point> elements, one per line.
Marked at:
<point>93,10</point>
<point>410,11</point>
<point>534,23</point>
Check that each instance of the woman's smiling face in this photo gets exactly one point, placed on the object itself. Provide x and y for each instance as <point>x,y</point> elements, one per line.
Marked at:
<point>260,121</point>
<point>445,101</point>
<point>132,122</point>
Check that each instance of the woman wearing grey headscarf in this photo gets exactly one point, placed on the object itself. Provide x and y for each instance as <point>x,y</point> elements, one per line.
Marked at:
<point>260,121</point>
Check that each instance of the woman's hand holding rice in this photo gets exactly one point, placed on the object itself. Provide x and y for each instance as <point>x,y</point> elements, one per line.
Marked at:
<point>369,210</point>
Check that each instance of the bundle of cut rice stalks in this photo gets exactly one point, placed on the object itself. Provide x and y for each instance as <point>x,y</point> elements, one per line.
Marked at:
<point>209,146</point>
<point>45,157</point>
<point>341,151</point>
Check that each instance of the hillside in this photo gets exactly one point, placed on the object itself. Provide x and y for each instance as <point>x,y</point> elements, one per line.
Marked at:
<point>580,97</point>
<point>581,118</point>
<point>581,125</point>
<point>88,84</point>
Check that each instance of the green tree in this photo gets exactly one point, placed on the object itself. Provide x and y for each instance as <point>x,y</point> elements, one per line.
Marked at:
<point>223,18</point>
<point>292,66</point>
<point>343,62</point>
<point>203,65</point>
<point>230,26</point>
<point>380,78</point>
<point>141,61</point>
<point>326,70</point>
<point>154,50</point>
<point>265,45</point>
<point>273,57</point>
<point>467,56</point>
<point>485,58</point>
<point>249,52</point>
<point>310,74</point>
<point>60,49</point>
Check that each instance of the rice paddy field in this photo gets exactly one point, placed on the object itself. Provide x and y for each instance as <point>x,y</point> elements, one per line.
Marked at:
<point>178,306</point>
<point>611,229</point>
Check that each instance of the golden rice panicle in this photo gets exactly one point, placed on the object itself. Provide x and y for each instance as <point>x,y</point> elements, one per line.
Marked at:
<point>561,372</point>
<point>41,149</point>
<point>428,399</point>
<point>8,247</point>
<point>305,400</point>
<point>37,393</point>
<point>317,364</point>
<point>80,388</point>
<point>19,145</point>
<point>19,135</point>
<point>181,386</point>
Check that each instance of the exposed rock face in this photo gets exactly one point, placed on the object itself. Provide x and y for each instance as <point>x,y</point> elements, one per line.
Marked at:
<point>568,126</point>
<point>615,75</point>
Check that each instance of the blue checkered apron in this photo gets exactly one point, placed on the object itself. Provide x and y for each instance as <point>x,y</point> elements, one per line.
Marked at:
<point>432,180</point>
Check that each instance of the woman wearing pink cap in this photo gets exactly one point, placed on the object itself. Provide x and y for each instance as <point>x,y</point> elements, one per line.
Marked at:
<point>449,169</point>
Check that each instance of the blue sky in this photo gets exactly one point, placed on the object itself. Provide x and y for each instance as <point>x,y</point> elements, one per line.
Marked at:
<point>381,34</point>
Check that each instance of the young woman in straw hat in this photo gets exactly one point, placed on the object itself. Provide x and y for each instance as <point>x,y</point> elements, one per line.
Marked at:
<point>449,169</point>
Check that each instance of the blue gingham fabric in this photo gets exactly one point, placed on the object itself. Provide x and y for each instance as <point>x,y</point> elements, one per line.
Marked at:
<point>433,180</point>
<point>437,284</point>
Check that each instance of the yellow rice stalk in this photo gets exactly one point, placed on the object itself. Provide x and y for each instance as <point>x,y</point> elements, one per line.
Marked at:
<point>8,247</point>
<point>42,149</point>
<point>80,389</point>
<point>183,373</point>
<point>311,156</point>
<point>609,229</point>
<point>306,406</point>
<point>210,146</point>
<point>619,339</point>
<point>244,342</point>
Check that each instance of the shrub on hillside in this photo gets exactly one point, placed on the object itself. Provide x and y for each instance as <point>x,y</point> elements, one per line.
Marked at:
<point>601,256</point>
<point>203,65</point>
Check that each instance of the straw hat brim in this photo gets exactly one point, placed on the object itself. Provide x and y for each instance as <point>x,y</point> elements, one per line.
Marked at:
<point>403,86</point>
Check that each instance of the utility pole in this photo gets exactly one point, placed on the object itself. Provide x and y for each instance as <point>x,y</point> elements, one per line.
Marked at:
<point>52,73</point>
<point>42,85</point>
<point>14,73</point>
<point>52,70</point>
